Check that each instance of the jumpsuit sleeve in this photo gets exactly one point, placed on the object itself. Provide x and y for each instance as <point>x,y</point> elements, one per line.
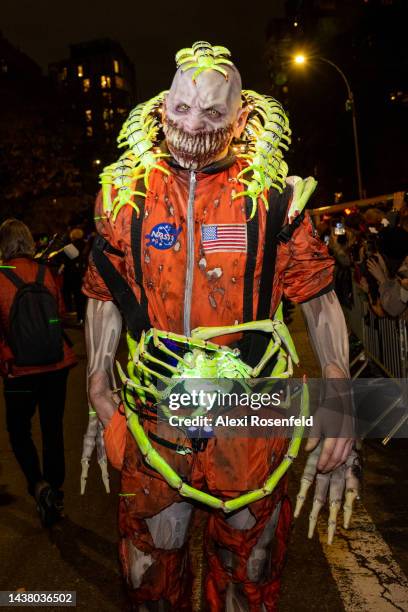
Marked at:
<point>305,267</point>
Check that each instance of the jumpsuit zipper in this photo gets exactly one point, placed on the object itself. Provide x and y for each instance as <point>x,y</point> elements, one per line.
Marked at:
<point>188,290</point>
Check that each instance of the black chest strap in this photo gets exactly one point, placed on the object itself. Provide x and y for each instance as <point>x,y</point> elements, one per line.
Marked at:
<point>253,345</point>
<point>135,315</point>
<point>136,246</point>
<point>252,252</point>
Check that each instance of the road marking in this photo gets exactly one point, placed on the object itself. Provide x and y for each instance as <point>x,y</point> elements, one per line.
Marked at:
<point>363,567</point>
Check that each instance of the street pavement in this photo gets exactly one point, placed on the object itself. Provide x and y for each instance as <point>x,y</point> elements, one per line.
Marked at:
<point>365,568</point>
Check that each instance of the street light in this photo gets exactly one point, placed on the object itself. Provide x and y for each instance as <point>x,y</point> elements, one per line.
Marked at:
<point>301,59</point>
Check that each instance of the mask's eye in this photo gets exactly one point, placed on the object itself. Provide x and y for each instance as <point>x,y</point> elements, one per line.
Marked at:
<point>182,108</point>
<point>212,112</point>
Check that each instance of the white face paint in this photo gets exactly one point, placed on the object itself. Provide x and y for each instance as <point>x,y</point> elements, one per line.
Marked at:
<point>201,118</point>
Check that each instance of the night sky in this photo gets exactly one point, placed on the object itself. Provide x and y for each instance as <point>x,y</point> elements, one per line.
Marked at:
<point>150,32</point>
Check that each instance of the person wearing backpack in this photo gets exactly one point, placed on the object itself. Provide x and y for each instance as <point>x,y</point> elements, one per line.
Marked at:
<point>35,359</point>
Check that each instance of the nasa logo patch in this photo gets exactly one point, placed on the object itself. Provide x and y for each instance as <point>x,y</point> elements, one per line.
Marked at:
<point>163,236</point>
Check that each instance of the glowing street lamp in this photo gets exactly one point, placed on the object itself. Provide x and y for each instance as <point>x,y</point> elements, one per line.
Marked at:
<point>302,59</point>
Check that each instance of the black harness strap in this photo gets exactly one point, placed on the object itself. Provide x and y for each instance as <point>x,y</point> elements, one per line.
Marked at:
<point>134,314</point>
<point>168,444</point>
<point>287,230</point>
<point>278,205</point>
<point>253,345</point>
<point>136,244</point>
<point>252,251</point>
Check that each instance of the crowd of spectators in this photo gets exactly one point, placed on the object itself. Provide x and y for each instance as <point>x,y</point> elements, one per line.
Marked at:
<point>371,249</point>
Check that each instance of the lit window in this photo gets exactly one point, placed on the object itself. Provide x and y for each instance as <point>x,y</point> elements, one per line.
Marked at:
<point>88,115</point>
<point>86,83</point>
<point>121,111</point>
<point>116,67</point>
<point>107,126</point>
<point>80,71</point>
<point>89,131</point>
<point>105,81</point>
<point>120,83</point>
<point>107,114</point>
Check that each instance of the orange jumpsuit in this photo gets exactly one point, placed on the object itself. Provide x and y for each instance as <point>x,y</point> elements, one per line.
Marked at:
<point>197,260</point>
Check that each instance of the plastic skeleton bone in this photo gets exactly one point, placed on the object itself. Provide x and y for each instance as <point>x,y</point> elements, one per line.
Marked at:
<point>222,363</point>
<point>267,132</point>
<point>203,56</point>
<point>204,359</point>
<point>139,135</point>
<point>345,476</point>
<point>94,437</point>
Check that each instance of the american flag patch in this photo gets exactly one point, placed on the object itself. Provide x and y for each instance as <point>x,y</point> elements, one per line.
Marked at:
<point>225,237</point>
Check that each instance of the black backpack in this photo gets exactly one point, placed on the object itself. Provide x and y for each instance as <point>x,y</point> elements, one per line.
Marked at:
<point>35,334</point>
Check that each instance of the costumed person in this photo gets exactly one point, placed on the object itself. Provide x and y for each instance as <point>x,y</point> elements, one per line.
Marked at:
<point>200,235</point>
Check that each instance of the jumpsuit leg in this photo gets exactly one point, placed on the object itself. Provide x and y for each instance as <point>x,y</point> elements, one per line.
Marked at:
<point>154,522</point>
<point>246,549</point>
<point>246,554</point>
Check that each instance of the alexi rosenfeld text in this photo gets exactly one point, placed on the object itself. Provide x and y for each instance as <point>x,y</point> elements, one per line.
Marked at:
<point>214,400</point>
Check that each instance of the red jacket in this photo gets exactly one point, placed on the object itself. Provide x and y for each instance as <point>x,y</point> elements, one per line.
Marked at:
<point>27,270</point>
<point>193,257</point>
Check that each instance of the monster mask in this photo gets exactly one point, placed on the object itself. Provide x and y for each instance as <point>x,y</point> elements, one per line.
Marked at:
<point>202,115</point>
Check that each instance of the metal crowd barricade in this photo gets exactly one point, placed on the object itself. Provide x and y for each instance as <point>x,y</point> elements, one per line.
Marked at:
<point>384,339</point>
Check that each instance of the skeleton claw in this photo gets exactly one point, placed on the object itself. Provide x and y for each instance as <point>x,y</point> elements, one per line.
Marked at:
<point>331,523</point>
<point>105,474</point>
<point>305,484</point>
<point>84,474</point>
<point>350,497</point>
<point>317,506</point>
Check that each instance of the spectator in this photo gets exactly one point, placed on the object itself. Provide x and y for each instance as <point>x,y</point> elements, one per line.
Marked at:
<point>341,243</point>
<point>403,219</point>
<point>373,218</point>
<point>34,361</point>
<point>74,269</point>
<point>390,269</point>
